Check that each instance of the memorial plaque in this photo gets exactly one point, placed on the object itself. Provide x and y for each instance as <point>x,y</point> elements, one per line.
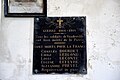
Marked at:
<point>59,45</point>
<point>25,8</point>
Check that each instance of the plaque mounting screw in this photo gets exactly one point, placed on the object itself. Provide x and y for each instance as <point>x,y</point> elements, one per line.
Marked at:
<point>73,18</point>
<point>37,19</point>
<point>36,71</point>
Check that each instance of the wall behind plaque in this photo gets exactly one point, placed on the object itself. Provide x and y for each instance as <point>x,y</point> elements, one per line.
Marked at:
<point>103,41</point>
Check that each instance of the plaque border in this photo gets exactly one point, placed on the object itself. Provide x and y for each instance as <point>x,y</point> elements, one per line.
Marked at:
<point>7,14</point>
<point>83,60</point>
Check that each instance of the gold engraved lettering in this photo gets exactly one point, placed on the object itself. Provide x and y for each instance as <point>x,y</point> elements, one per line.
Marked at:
<point>50,46</point>
<point>74,36</point>
<point>49,51</point>
<point>68,58</point>
<point>69,65</point>
<point>52,66</point>
<point>46,54</point>
<point>60,46</point>
<point>56,36</point>
<point>71,70</point>
<point>68,54</point>
<point>38,46</point>
<point>46,39</point>
<point>56,39</point>
<point>44,58</point>
<point>67,50</point>
<point>59,42</point>
<point>67,62</point>
<point>47,62</point>
<point>61,31</point>
<point>78,46</point>
<point>48,30</point>
<point>47,70</point>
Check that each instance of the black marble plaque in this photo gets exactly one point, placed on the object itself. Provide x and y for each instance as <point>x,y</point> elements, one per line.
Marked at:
<point>59,45</point>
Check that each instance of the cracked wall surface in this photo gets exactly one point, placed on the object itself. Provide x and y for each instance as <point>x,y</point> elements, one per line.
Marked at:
<point>103,41</point>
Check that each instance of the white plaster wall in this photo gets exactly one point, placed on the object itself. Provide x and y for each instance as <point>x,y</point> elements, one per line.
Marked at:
<point>103,41</point>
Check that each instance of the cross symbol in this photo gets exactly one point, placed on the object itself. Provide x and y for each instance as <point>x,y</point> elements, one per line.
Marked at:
<point>60,22</point>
